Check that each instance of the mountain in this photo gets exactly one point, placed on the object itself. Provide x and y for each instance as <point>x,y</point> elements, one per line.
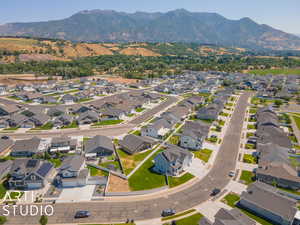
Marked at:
<point>174,26</point>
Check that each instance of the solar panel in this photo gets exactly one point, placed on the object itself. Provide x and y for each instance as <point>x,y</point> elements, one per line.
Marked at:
<point>44,169</point>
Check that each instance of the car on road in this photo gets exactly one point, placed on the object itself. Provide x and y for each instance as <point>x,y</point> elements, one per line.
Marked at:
<point>82,214</point>
<point>231,173</point>
<point>168,212</point>
<point>215,191</point>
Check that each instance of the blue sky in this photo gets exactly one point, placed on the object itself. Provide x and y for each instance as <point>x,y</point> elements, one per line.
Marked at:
<point>281,14</point>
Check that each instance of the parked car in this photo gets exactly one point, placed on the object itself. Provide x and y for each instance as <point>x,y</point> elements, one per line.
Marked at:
<point>215,192</point>
<point>82,214</point>
<point>168,212</point>
<point>231,173</point>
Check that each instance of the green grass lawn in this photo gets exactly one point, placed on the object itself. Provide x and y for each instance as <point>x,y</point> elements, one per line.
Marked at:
<point>129,162</point>
<point>107,122</point>
<point>221,122</point>
<point>249,159</point>
<point>174,140</point>
<point>137,133</point>
<point>11,128</point>
<point>56,162</point>
<point>175,181</point>
<point>251,127</point>
<point>3,191</point>
<point>297,121</point>
<point>249,146</point>
<point>145,179</point>
<point>178,215</point>
<point>190,220</point>
<point>224,114</point>
<point>47,126</point>
<point>95,172</point>
<point>212,139</point>
<point>140,109</point>
<point>72,125</point>
<point>231,199</point>
<point>253,111</point>
<point>247,177</point>
<point>249,134</point>
<point>203,154</point>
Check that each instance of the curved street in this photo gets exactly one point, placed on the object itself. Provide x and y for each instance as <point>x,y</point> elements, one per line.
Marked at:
<point>118,209</point>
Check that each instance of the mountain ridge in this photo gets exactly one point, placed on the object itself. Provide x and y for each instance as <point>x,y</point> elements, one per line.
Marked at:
<point>174,26</point>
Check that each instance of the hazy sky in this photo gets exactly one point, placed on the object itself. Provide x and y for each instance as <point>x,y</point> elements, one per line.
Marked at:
<point>281,14</point>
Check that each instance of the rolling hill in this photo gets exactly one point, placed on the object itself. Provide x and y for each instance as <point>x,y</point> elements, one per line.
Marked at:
<point>174,26</point>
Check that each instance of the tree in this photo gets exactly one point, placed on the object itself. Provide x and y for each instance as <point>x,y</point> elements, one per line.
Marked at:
<point>3,220</point>
<point>43,220</point>
<point>278,102</point>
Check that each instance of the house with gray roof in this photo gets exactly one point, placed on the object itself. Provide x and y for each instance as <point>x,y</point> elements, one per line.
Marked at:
<point>62,144</point>
<point>229,217</point>
<point>266,202</point>
<point>210,112</point>
<point>30,174</point>
<point>99,146</point>
<point>157,129</point>
<point>133,144</point>
<point>88,117</point>
<point>172,161</point>
<point>25,148</point>
<point>193,134</point>
<point>8,109</point>
<point>5,168</point>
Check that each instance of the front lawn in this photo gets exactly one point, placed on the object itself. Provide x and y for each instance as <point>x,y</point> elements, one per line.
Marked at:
<point>175,181</point>
<point>297,121</point>
<point>251,127</point>
<point>253,111</point>
<point>174,140</point>
<point>203,154</point>
<point>224,114</point>
<point>212,139</point>
<point>144,178</point>
<point>250,146</point>
<point>47,126</point>
<point>247,177</point>
<point>84,100</point>
<point>108,122</point>
<point>221,122</point>
<point>231,199</point>
<point>56,162</point>
<point>11,128</point>
<point>137,133</point>
<point>3,191</point>
<point>178,215</point>
<point>140,109</point>
<point>250,134</point>
<point>72,125</point>
<point>190,220</point>
<point>129,162</point>
<point>249,159</point>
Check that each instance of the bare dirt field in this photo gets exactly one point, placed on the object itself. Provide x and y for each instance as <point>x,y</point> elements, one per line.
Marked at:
<point>117,184</point>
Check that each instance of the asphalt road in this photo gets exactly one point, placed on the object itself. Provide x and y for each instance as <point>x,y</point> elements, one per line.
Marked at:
<point>115,130</point>
<point>119,209</point>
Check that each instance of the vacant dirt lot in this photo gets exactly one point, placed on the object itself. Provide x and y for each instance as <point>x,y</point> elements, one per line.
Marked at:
<point>117,184</point>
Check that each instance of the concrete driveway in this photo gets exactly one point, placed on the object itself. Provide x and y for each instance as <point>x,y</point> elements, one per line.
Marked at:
<point>77,194</point>
<point>197,168</point>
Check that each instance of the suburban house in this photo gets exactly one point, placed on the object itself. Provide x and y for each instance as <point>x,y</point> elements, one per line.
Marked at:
<point>193,134</point>
<point>158,129</point>
<point>263,200</point>
<point>73,173</point>
<point>133,144</point>
<point>275,167</point>
<point>62,144</point>
<point>88,117</point>
<point>63,120</point>
<point>30,174</point>
<point>56,111</point>
<point>68,99</point>
<point>5,145</point>
<point>229,217</point>
<point>210,112</point>
<point>26,148</point>
<point>8,109</point>
<point>99,146</point>
<point>172,161</point>
<point>113,114</point>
